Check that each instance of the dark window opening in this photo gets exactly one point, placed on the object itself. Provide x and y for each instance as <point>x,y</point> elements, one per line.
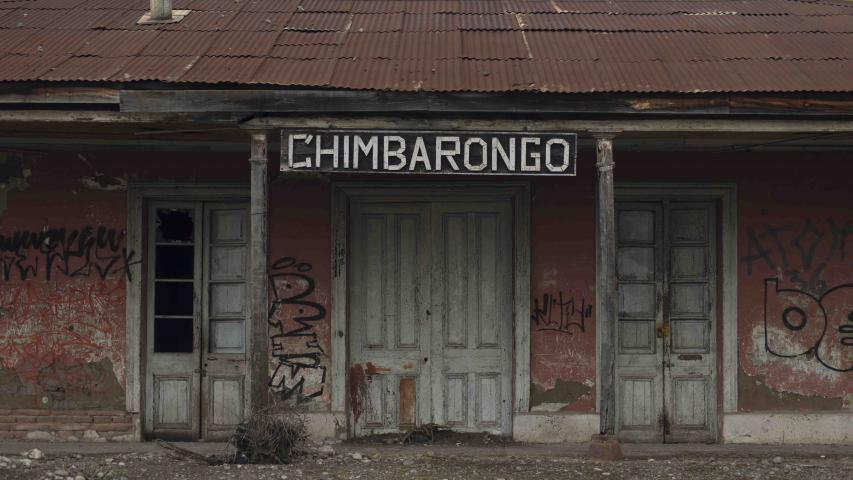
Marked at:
<point>173,298</point>
<point>174,262</point>
<point>173,335</point>
<point>174,225</point>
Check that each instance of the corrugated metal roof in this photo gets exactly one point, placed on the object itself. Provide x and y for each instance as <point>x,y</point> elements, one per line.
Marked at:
<point>440,45</point>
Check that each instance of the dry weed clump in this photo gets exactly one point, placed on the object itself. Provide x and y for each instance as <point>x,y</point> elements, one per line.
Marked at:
<point>268,436</point>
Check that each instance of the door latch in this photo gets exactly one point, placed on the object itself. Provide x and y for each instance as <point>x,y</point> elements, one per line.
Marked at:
<point>663,330</point>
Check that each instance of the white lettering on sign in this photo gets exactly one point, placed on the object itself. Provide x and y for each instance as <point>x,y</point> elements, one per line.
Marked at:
<point>484,153</point>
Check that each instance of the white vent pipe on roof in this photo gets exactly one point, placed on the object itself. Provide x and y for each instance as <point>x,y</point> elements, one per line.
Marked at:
<point>161,10</point>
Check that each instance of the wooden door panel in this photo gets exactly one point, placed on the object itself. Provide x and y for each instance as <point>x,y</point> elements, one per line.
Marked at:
<point>173,403</point>
<point>174,342</point>
<point>227,401</point>
<point>225,389</point>
<point>639,379</point>
<point>389,310</point>
<point>690,367</point>
<point>472,282</point>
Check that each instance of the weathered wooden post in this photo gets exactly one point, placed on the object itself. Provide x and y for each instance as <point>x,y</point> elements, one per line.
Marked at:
<point>258,305</point>
<point>605,445</point>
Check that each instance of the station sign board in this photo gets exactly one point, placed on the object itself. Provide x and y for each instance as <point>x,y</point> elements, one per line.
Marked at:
<point>428,152</point>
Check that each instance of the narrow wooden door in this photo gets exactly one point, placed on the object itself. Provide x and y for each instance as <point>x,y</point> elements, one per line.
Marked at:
<point>390,324</point>
<point>472,316</point>
<point>666,387</point>
<point>431,316</point>
<point>174,321</point>
<point>224,369</point>
<point>196,382</point>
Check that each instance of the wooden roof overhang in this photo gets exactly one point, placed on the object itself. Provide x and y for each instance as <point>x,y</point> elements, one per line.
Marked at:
<point>156,114</point>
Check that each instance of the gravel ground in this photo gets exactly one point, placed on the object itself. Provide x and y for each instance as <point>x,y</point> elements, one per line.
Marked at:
<point>335,462</point>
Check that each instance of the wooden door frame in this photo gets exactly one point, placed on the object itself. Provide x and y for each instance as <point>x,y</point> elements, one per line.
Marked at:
<point>517,193</point>
<point>138,196</point>
<point>726,194</point>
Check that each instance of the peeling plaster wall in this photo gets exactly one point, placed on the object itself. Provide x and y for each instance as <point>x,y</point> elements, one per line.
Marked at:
<point>63,268</point>
<point>563,292</point>
<point>63,271</point>
<point>796,291</point>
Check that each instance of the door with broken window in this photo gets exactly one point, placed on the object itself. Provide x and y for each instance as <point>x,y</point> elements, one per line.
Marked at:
<point>431,316</point>
<point>196,380</point>
<point>666,360</point>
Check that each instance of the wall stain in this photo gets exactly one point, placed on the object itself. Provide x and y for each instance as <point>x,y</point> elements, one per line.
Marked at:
<point>755,396</point>
<point>563,392</point>
<point>86,386</point>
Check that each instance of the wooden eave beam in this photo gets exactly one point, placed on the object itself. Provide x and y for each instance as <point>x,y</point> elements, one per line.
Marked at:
<point>372,102</point>
<point>639,125</point>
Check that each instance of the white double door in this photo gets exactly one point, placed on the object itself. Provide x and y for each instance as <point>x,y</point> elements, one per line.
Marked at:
<point>196,374</point>
<point>430,315</point>
<point>666,337</point>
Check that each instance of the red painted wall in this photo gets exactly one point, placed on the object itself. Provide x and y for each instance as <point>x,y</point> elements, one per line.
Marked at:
<point>66,333</point>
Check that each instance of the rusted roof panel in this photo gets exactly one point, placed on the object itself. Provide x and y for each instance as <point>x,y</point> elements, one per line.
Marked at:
<point>203,21</point>
<point>307,52</point>
<point>326,6</point>
<point>436,22</point>
<point>303,73</point>
<point>28,67</point>
<point>31,18</point>
<point>503,21</point>
<point>87,68</point>
<point>242,43</point>
<point>223,69</point>
<point>379,6</point>
<point>290,37</point>
<point>179,44</point>
<point>117,43</point>
<point>318,22</point>
<point>391,22</point>
<point>50,42</point>
<point>259,21</point>
<point>282,6</point>
<point>494,46</point>
<point>156,68</point>
<point>440,45</point>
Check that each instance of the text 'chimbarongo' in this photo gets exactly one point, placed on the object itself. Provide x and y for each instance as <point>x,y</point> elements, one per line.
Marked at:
<point>483,153</point>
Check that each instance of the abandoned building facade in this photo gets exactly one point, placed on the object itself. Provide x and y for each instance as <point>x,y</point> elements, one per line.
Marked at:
<point>543,220</point>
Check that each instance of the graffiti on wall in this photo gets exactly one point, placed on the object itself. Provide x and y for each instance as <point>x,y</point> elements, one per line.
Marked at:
<point>299,374</point>
<point>81,252</point>
<point>561,314</point>
<point>798,323</point>
<point>800,251</point>
<point>65,340</point>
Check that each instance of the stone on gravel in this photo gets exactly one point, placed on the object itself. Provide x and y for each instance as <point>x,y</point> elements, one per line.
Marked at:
<point>777,459</point>
<point>34,454</point>
<point>40,436</point>
<point>326,450</point>
<point>357,456</point>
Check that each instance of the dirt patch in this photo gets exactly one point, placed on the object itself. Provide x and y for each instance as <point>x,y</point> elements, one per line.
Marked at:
<point>563,392</point>
<point>442,437</point>
<point>756,396</point>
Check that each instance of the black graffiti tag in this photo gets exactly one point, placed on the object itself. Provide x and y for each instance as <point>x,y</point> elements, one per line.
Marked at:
<point>559,315</point>
<point>801,251</point>
<point>81,252</point>
<point>299,374</point>
<point>798,323</point>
